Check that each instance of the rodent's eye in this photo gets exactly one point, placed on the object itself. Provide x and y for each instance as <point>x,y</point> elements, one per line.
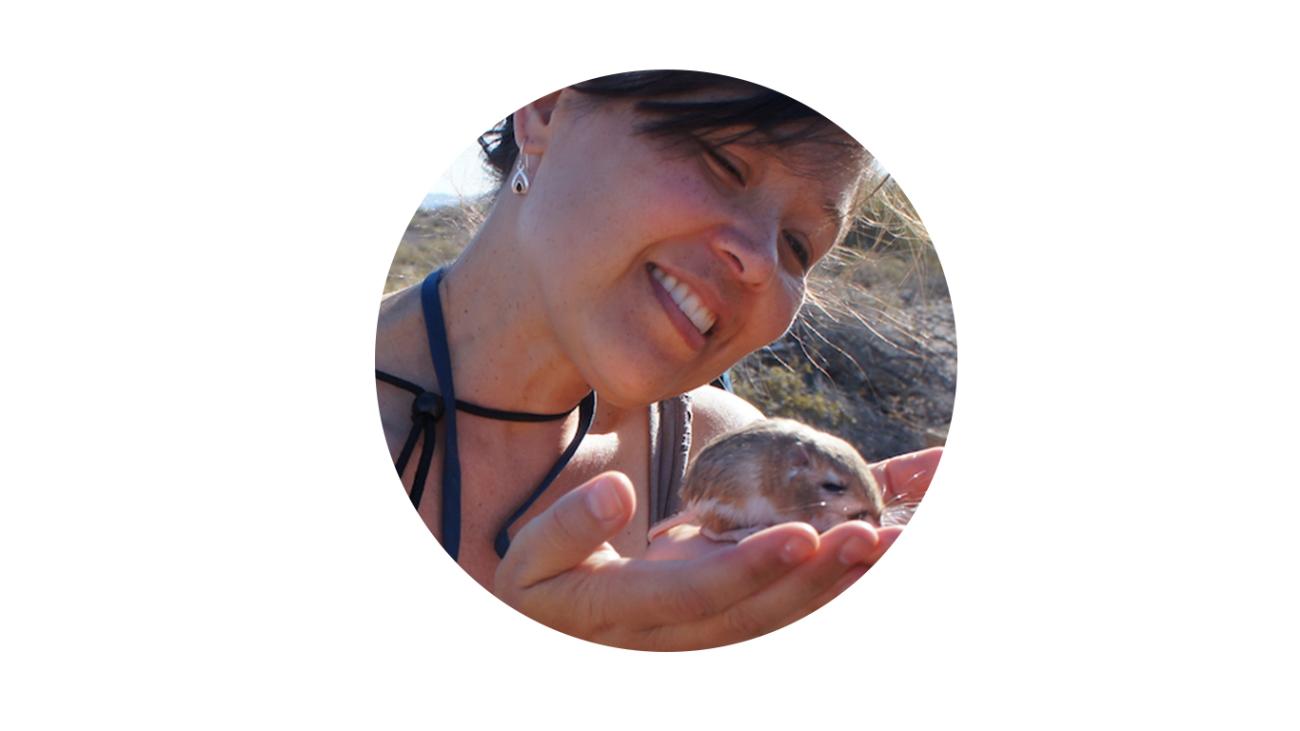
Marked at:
<point>833,487</point>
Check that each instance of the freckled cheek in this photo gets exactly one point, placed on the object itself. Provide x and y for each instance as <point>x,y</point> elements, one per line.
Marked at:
<point>665,202</point>
<point>773,320</point>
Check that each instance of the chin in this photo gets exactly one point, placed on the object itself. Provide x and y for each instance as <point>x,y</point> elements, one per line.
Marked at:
<point>633,372</point>
<point>632,392</point>
<point>630,396</point>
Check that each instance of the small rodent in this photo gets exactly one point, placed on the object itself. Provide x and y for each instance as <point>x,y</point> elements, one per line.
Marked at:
<point>775,471</point>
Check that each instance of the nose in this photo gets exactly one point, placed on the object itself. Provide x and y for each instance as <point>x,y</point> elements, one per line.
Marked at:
<point>750,253</point>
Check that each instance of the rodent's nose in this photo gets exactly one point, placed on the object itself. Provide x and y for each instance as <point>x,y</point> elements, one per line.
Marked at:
<point>751,256</point>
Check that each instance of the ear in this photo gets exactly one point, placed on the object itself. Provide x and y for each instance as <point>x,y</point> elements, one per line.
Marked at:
<point>799,456</point>
<point>533,123</point>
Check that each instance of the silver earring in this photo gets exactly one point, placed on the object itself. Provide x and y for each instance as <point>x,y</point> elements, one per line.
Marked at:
<point>519,183</point>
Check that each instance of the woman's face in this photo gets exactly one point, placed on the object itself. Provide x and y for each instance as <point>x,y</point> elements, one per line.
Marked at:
<point>661,266</point>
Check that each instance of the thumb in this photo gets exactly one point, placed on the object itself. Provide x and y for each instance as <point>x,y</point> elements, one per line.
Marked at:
<point>572,529</point>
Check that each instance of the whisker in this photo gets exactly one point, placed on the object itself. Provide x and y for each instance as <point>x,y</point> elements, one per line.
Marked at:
<point>819,504</point>
<point>898,513</point>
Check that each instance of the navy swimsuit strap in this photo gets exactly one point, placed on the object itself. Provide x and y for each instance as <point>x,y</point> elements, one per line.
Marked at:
<point>429,407</point>
<point>437,330</point>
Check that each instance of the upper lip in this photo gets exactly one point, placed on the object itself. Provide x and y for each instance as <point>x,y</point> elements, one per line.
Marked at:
<point>708,295</point>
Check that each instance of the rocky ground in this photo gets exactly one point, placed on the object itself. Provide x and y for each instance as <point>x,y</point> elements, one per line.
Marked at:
<point>875,362</point>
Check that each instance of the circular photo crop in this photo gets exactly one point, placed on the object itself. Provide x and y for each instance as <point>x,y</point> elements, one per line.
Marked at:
<point>666,361</point>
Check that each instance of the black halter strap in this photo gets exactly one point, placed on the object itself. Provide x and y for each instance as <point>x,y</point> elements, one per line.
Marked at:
<point>429,407</point>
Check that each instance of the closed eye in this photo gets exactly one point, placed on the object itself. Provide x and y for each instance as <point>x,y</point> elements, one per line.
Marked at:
<point>833,487</point>
<point>800,249</point>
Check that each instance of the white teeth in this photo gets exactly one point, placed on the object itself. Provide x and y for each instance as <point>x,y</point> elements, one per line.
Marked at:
<point>680,292</point>
<point>687,301</point>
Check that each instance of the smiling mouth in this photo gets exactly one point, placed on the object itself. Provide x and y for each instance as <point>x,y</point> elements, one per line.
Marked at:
<point>686,300</point>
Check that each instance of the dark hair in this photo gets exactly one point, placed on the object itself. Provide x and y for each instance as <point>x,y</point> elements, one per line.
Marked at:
<point>747,112</point>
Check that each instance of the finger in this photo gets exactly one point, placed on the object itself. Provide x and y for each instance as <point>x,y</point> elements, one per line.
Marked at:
<point>679,543</point>
<point>844,549</point>
<point>849,579</point>
<point>850,549</point>
<point>887,537</point>
<point>570,531</point>
<point>908,475</point>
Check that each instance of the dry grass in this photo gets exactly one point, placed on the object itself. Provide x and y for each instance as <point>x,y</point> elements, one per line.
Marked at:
<point>873,354</point>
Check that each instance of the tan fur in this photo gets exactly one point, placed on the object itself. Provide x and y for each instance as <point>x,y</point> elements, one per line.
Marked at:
<point>773,471</point>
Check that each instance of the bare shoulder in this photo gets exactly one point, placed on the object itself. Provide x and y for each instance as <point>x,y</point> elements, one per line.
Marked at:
<point>715,412</point>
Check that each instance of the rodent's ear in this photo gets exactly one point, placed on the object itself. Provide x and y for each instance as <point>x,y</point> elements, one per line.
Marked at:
<point>799,455</point>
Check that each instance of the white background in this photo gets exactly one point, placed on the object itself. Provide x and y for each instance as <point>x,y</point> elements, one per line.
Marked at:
<point>200,528</point>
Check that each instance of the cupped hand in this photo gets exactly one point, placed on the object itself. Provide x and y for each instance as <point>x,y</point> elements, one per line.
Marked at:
<point>561,571</point>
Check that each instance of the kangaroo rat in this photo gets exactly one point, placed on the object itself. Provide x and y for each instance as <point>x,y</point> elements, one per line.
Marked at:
<point>775,471</point>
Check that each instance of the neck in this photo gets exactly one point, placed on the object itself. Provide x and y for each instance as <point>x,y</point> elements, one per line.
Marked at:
<point>504,354</point>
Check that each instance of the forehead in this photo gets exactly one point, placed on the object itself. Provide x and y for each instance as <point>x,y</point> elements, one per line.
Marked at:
<point>838,172</point>
<point>811,150</point>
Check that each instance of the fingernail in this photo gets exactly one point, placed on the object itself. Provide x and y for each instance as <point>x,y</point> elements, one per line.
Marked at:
<point>854,551</point>
<point>797,550</point>
<point>603,501</point>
